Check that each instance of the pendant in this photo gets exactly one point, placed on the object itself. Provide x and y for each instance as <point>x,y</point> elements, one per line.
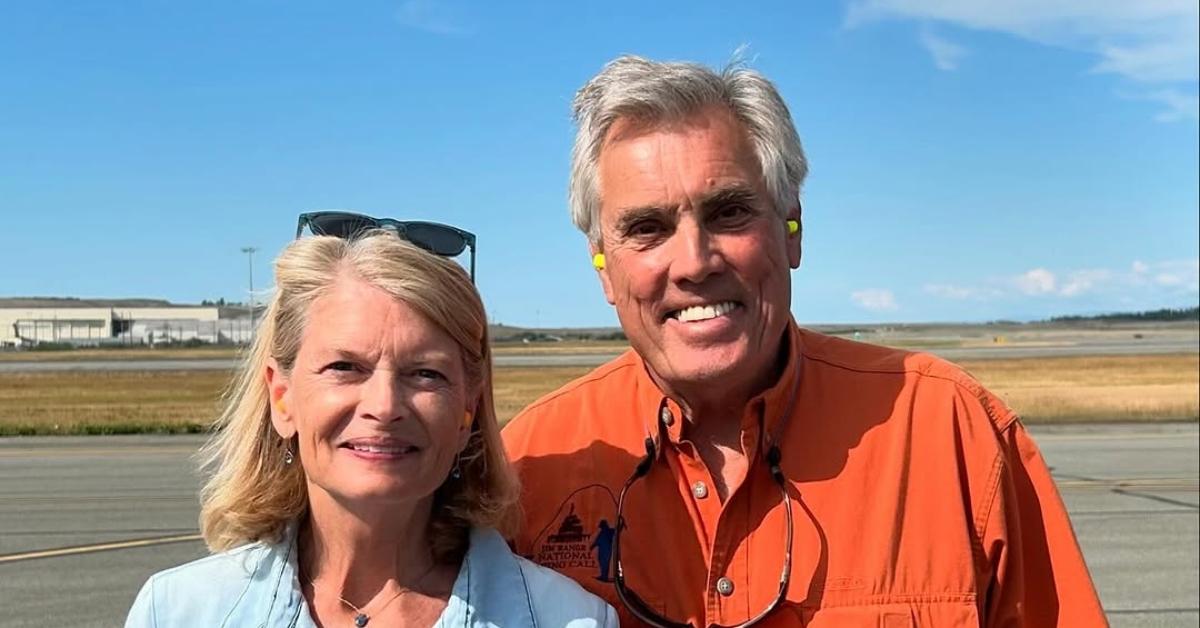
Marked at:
<point>361,620</point>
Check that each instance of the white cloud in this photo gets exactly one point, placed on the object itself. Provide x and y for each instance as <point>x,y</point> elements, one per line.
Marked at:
<point>1146,41</point>
<point>946,54</point>
<point>877,300</point>
<point>962,293</point>
<point>1178,105</point>
<point>1169,278</point>
<point>1181,275</point>
<point>1035,282</point>
<point>949,291</point>
<point>1084,281</point>
<point>433,16</point>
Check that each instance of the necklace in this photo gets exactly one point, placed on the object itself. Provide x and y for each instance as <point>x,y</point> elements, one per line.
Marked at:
<point>361,617</point>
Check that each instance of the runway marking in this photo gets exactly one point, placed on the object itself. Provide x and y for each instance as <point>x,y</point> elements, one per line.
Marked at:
<point>63,452</point>
<point>1157,498</point>
<point>99,547</point>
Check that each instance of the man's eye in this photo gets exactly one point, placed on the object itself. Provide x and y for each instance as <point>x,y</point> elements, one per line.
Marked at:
<point>645,228</point>
<point>732,214</point>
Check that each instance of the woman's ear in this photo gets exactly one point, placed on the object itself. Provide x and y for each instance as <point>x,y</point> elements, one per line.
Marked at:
<point>277,392</point>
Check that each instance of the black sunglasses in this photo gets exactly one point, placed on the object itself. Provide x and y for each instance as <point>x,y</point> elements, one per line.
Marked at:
<point>434,237</point>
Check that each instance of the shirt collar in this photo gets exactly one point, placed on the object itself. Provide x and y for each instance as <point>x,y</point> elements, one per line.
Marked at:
<point>488,591</point>
<point>767,411</point>
<point>490,588</point>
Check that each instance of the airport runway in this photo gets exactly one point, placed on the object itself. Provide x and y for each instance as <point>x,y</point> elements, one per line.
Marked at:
<point>1178,344</point>
<point>546,359</point>
<point>84,521</point>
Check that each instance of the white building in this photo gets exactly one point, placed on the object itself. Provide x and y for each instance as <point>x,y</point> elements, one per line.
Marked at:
<point>115,324</point>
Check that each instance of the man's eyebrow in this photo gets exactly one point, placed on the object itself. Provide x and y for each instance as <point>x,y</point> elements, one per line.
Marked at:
<point>729,196</point>
<point>632,215</point>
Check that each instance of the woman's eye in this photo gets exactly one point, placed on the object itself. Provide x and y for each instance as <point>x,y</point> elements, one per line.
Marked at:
<point>340,365</point>
<point>429,374</point>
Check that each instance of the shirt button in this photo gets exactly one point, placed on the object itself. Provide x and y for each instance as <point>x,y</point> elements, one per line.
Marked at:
<point>700,490</point>
<point>725,587</point>
<point>667,417</point>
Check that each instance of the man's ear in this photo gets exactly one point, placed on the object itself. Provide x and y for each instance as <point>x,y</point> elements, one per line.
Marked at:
<point>794,245</point>
<point>601,270</point>
<point>277,390</point>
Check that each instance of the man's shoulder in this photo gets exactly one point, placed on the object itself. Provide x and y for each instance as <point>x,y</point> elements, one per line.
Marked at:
<point>863,364</point>
<point>617,373</point>
<point>580,405</point>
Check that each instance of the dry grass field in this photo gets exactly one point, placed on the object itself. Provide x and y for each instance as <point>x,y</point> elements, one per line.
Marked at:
<point>1119,388</point>
<point>1096,388</point>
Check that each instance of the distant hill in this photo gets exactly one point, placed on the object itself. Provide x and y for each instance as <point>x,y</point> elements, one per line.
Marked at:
<point>1165,314</point>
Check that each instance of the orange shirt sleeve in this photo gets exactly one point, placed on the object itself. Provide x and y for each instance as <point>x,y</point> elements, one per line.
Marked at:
<point>1037,573</point>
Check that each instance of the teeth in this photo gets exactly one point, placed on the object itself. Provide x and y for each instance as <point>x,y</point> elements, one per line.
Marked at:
<point>704,312</point>
<point>382,450</point>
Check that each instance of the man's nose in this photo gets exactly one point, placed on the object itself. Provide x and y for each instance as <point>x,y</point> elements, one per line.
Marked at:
<point>695,254</point>
<point>383,397</point>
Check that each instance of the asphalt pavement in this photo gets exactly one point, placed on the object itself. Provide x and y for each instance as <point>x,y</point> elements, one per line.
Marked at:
<point>85,520</point>
<point>1083,345</point>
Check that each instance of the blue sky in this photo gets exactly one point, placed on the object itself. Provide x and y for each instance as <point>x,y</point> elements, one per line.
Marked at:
<point>969,160</point>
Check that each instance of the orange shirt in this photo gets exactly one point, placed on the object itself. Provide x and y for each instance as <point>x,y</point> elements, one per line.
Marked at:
<point>918,499</point>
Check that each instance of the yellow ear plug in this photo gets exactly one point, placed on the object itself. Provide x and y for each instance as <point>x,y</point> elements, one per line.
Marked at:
<point>598,261</point>
<point>279,405</point>
<point>793,227</point>
<point>467,419</point>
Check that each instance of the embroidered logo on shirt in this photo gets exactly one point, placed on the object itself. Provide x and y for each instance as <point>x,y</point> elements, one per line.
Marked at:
<point>580,537</point>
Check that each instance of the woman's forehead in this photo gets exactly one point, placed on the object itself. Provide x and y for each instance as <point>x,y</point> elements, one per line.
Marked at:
<point>356,316</point>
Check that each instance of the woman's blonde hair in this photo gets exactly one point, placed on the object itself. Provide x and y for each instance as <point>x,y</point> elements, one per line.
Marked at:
<point>253,494</point>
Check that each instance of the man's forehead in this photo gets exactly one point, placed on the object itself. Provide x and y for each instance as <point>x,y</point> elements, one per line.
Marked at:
<point>628,127</point>
<point>699,157</point>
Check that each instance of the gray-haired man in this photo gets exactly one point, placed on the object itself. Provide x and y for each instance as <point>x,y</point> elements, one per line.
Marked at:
<point>737,468</point>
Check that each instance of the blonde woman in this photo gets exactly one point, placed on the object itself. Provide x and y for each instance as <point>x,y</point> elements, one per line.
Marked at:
<point>358,475</point>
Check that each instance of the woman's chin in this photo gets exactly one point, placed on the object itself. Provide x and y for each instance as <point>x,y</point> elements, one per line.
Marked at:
<point>363,493</point>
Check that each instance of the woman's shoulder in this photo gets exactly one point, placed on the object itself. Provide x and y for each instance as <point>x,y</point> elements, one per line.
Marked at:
<point>550,598</point>
<point>560,601</point>
<point>206,591</point>
<point>231,562</point>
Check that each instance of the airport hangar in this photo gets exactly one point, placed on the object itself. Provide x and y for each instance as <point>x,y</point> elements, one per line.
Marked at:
<point>28,322</point>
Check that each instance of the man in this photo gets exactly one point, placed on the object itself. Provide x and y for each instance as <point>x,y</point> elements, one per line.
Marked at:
<point>753,471</point>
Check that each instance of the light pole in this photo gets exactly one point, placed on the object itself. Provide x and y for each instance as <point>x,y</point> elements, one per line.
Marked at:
<point>249,251</point>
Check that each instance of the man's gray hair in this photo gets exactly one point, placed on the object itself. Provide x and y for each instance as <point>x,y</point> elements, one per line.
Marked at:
<point>651,92</point>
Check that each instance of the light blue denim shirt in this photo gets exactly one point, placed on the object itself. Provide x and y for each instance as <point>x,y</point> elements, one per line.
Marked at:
<point>257,585</point>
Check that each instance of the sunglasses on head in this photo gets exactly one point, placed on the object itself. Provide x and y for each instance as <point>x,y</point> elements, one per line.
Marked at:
<point>434,237</point>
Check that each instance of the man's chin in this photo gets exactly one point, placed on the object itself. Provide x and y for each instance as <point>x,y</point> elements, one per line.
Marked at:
<point>716,365</point>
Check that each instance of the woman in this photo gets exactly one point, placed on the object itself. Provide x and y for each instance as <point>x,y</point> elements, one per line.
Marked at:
<point>359,477</point>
